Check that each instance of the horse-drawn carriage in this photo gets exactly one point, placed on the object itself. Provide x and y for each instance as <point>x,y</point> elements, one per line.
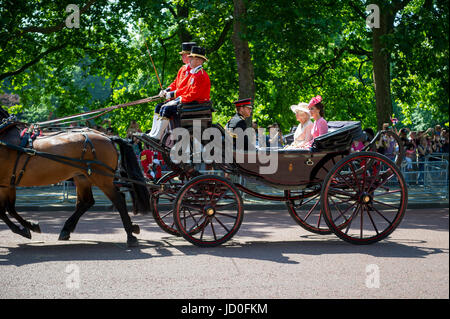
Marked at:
<point>361,197</point>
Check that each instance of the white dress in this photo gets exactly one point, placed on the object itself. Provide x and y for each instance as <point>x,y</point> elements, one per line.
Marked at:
<point>302,134</point>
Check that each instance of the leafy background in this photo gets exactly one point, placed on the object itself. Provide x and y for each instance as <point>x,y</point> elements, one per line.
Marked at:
<point>299,49</point>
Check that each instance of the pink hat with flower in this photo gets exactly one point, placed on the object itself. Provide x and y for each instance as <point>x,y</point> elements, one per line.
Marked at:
<point>314,101</point>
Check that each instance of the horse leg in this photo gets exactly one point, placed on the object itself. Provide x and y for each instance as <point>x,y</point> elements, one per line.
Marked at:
<point>34,227</point>
<point>85,200</point>
<point>11,208</point>
<point>14,228</point>
<point>119,202</point>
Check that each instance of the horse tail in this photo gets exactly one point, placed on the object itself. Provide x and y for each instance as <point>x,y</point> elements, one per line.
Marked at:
<point>130,169</point>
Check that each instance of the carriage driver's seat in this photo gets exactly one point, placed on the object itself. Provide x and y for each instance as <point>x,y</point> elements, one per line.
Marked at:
<point>188,113</point>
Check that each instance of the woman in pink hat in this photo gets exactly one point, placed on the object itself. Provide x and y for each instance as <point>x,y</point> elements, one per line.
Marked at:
<point>320,126</point>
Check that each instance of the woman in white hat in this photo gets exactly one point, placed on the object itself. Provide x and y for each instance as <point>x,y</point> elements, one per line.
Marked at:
<point>303,133</point>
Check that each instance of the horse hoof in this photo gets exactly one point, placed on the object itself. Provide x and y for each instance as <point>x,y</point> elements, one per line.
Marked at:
<point>135,229</point>
<point>64,235</point>
<point>36,228</point>
<point>25,233</point>
<point>132,241</point>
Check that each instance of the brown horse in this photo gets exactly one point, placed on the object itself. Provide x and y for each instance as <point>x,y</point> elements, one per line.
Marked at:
<point>88,145</point>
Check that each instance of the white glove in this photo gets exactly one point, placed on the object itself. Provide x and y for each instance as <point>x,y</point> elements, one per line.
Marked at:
<point>162,93</point>
<point>173,102</point>
<point>156,161</point>
<point>170,95</point>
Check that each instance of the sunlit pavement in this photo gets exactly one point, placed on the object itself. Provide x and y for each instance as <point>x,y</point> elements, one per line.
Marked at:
<point>269,257</point>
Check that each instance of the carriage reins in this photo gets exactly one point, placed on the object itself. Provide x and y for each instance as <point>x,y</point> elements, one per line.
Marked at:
<point>64,160</point>
<point>22,149</point>
<point>101,111</point>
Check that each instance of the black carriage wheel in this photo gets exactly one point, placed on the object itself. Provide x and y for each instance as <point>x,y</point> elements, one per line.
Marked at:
<point>307,211</point>
<point>162,202</point>
<point>368,190</point>
<point>211,204</point>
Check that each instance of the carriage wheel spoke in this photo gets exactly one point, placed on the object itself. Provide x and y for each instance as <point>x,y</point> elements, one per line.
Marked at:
<point>222,196</point>
<point>355,178</point>
<point>374,178</point>
<point>196,224</point>
<point>371,220</point>
<point>388,205</point>
<point>191,206</point>
<point>379,213</point>
<point>347,182</point>
<point>222,224</point>
<point>339,210</point>
<point>320,217</point>
<point>190,214</point>
<point>389,192</point>
<point>311,210</point>
<point>203,229</point>
<point>226,205</point>
<point>213,192</point>
<point>382,183</point>
<point>336,191</point>
<point>307,201</point>
<point>165,215</point>
<point>226,215</point>
<point>214,232</point>
<point>361,225</point>
<point>169,196</point>
<point>352,218</point>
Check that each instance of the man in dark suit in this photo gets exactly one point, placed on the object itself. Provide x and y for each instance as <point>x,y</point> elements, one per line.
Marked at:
<point>243,111</point>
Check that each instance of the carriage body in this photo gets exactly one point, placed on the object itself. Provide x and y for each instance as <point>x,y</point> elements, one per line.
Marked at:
<point>326,189</point>
<point>300,167</point>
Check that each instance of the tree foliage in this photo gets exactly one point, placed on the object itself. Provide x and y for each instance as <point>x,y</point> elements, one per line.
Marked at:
<point>299,48</point>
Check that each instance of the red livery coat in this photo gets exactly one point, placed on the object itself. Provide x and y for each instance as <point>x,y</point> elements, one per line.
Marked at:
<point>180,80</point>
<point>197,89</point>
<point>147,157</point>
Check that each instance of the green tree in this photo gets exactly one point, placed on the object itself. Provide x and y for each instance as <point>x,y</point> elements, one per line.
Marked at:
<point>297,49</point>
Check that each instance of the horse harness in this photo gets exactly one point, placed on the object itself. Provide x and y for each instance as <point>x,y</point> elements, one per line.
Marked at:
<point>25,146</point>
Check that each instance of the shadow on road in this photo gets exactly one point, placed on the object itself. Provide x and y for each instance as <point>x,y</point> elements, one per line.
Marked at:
<point>278,252</point>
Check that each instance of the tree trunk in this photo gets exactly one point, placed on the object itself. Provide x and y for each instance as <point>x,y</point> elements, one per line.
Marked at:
<point>242,53</point>
<point>183,14</point>
<point>381,71</point>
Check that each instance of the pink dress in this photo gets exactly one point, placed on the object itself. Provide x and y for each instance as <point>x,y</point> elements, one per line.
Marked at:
<point>319,128</point>
<point>357,146</point>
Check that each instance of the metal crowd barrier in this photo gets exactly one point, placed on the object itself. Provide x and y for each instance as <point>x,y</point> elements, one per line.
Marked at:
<point>427,180</point>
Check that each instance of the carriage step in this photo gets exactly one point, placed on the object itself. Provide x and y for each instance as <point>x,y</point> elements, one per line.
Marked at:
<point>151,142</point>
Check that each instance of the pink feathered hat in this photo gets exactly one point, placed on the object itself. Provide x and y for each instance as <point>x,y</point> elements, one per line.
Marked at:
<point>314,101</point>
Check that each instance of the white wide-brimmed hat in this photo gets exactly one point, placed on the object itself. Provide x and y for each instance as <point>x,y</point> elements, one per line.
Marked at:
<point>300,107</point>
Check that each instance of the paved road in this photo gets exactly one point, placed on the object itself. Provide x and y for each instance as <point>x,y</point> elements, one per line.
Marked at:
<point>270,257</point>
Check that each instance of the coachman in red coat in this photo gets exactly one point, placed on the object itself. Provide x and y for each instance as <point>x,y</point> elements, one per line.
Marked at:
<point>177,84</point>
<point>195,90</point>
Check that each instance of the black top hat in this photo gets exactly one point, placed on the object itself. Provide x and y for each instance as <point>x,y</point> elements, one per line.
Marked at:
<point>243,102</point>
<point>198,52</point>
<point>186,47</point>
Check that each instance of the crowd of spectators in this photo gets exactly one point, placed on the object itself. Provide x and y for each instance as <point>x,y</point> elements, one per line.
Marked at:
<point>418,144</point>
